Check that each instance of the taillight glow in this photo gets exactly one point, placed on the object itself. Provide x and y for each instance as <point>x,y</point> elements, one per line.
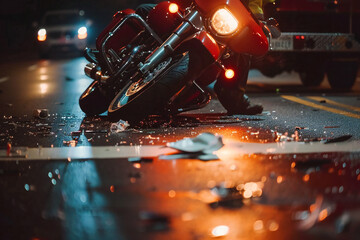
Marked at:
<point>82,33</point>
<point>229,73</point>
<point>41,35</point>
<point>173,8</point>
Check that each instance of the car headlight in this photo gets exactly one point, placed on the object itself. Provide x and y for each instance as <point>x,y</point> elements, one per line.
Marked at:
<point>41,35</point>
<point>82,33</point>
<point>223,22</point>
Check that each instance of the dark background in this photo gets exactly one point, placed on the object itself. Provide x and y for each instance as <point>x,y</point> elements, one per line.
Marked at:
<point>19,19</point>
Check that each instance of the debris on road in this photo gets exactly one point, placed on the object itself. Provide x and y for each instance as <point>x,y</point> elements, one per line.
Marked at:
<point>203,143</point>
<point>338,139</point>
<point>200,147</point>
<point>41,113</point>
<point>119,126</point>
<point>71,143</point>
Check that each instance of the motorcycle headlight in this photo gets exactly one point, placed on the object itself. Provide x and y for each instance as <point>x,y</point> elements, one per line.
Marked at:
<point>223,22</point>
<point>82,33</point>
<point>41,35</point>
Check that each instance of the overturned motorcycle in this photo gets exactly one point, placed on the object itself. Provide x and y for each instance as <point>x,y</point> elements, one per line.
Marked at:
<point>143,67</point>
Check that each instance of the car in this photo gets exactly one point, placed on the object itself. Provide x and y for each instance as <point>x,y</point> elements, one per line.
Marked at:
<point>62,30</point>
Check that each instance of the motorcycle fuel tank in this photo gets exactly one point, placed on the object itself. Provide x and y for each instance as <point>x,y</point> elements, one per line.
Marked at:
<point>248,38</point>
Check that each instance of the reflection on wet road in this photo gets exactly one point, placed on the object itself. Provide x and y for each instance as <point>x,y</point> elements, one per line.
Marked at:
<point>291,173</point>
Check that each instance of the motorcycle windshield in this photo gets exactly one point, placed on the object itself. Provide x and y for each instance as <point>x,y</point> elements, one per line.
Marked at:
<point>231,23</point>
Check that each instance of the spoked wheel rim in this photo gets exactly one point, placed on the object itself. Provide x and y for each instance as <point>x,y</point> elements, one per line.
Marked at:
<point>132,89</point>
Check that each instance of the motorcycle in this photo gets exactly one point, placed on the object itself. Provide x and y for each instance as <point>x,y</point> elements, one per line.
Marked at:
<point>149,66</point>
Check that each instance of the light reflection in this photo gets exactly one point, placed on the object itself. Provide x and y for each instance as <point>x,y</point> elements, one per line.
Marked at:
<point>43,70</point>
<point>44,77</point>
<point>172,193</point>
<point>220,231</point>
<point>74,200</point>
<point>44,88</point>
<point>323,214</point>
<point>273,226</point>
<point>251,189</point>
<point>258,225</point>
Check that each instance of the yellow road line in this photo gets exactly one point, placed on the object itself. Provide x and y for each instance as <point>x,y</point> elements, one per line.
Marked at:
<point>318,106</point>
<point>357,109</point>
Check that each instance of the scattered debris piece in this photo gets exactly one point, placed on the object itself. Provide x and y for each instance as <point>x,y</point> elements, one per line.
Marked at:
<point>41,113</point>
<point>204,142</point>
<point>71,143</point>
<point>120,126</point>
<point>332,127</point>
<point>338,139</point>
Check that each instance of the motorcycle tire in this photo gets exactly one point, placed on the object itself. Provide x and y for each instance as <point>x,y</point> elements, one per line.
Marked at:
<point>93,101</point>
<point>134,105</point>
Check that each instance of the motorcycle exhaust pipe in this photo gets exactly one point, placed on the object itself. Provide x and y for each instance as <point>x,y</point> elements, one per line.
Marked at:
<point>92,71</point>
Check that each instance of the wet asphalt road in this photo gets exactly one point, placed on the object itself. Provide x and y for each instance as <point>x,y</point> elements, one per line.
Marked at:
<point>292,196</point>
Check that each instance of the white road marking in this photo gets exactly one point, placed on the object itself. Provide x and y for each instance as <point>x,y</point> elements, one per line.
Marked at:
<point>4,79</point>
<point>231,149</point>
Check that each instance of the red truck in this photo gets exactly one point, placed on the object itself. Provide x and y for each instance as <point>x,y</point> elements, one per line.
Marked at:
<point>318,37</point>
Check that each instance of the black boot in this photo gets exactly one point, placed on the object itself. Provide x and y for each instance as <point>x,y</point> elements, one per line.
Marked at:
<point>231,93</point>
<point>235,101</point>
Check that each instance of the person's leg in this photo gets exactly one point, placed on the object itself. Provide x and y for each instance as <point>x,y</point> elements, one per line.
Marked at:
<point>231,93</point>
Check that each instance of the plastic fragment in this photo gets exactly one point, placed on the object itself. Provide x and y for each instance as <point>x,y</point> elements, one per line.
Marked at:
<point>119,126</point>
<point>204,142</point>
<point>338,139</point>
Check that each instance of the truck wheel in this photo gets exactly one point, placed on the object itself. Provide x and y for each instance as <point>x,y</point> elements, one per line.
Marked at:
<point>312,76</point>
<point>342,73</point>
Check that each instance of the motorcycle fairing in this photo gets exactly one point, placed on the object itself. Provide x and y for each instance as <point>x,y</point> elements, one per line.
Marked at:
<point>121,37</point>
<point>249,38</point>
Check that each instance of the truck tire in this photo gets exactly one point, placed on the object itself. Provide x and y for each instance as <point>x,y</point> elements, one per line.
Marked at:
<point>312,75</point>
<point>342,73</point>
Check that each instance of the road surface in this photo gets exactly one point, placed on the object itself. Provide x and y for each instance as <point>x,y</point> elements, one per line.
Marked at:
<point>67,176</point>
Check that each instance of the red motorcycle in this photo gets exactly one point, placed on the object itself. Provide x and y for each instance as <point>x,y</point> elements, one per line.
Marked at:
<point>143,67</point>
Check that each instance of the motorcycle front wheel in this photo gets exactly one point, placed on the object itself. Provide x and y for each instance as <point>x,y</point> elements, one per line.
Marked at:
<point>150,94</point>
<point>93,101</point>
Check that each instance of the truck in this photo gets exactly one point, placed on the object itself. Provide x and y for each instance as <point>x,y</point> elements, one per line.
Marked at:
<point>318,38</point>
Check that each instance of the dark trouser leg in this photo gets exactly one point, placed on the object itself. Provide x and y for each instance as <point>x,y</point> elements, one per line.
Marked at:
<point>231,93</point>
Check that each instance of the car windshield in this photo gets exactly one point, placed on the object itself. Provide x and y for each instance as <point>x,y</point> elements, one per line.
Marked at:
<point>62,19</point>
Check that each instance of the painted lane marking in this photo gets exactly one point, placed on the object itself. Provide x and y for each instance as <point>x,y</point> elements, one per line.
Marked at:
<point>4,79</point>
<point>230,149</point>
<point>357,109</point>
<point>325,108</point>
